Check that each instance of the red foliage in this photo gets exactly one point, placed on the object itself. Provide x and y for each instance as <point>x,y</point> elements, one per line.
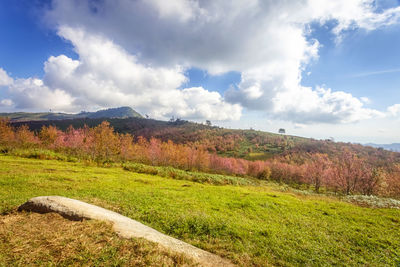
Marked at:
<point>318,170</point>
<point>342,170</point>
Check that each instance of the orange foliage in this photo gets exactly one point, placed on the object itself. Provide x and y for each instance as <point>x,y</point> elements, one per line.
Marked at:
<point>342,171</point>
<point>6,132</point>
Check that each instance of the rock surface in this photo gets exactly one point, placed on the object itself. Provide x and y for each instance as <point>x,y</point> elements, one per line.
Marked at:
<point>77,210</point>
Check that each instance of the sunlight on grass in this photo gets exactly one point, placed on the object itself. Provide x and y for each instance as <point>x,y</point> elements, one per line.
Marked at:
<point>252,225</point>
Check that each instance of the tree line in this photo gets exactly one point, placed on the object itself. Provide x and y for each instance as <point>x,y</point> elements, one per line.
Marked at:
<point>345,171</point>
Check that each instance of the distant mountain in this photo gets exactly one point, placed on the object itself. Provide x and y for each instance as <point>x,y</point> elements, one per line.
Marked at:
<point>121,113</point>
<point>391,147</point>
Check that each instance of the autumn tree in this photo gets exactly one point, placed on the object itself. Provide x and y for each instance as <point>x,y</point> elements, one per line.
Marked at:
<point>317,169</point>
<point>391,183</point>
<point>104,142</point>
<point>371,180</point>
<point>126,146</point>
<point>6,132</point>
<point>349,171</point>
<point>48,135</point>
<point>24,137</point>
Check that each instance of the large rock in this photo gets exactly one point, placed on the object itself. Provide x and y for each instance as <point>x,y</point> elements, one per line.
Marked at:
<point>124,226</point>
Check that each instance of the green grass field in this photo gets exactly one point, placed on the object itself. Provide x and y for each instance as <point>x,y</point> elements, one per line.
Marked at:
<point>251,225</point>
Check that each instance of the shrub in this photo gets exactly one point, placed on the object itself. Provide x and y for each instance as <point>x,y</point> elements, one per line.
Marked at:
<point>265,174</point>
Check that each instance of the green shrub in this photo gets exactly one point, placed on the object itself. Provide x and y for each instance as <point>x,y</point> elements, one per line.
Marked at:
<point>38,153</point>
<point>178,174</point>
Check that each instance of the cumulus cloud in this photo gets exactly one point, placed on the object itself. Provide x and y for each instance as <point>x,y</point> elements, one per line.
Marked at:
<point>31,93</point>
<point>4,78</point>
<point>105,75</point>
<point>322,105</point>
<point>365,100</point>
<point>135,53</point>
<point>267,41</point>
<point>353,14</point>
<point>394,110</point>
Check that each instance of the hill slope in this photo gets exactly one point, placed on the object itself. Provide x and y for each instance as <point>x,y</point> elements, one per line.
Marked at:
<point>121,112</point>
<point>246,144</point>
<point>249,144</point>
<point>251,225</point>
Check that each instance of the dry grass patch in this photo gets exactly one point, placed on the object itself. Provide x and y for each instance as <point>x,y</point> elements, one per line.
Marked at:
<point>49,239</point>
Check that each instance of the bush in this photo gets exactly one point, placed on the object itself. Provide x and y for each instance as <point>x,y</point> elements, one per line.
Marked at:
<point>178,174</point>
<point>37,153</point>
<point>265,174</point>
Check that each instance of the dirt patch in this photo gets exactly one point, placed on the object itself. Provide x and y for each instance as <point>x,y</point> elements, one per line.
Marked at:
<point>28,239</point>
<point>124,226</point>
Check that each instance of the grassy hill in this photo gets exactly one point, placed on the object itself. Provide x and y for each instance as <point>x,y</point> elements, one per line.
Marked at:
<point>262,225</point>
<point>122,112</point>
<point>247,144</point>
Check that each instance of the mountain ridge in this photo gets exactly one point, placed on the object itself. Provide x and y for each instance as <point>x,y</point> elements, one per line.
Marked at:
<point>120,112</point>
<point>392,147</point>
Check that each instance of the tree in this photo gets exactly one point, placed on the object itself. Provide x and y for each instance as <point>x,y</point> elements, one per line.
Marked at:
<point>371,180</point>
<point>317,169</point>
<point>6,132</point>
<point>104,142</point>
<point>348,172</point>
<point>25,137</point>
<point>126,146</point>
<point>208,123</point>
<point>48,135</point>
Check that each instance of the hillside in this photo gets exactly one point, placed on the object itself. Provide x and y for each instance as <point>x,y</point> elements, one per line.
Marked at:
<point>246,144</point>
<point>343,168</point>
<point>264,225</point>
<point>121,112</point>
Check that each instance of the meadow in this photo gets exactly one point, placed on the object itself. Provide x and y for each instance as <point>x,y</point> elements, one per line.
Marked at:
<point>322,166</point>
<point>254,224</point>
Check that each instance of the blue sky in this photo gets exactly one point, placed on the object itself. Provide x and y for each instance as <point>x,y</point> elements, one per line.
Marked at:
<point>324,70</point>
<point>365,64</point>
<point>27,41</point>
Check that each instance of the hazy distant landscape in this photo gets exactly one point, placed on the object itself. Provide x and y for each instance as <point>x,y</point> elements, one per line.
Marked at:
<point>122,112</point>
<point>392,147</point>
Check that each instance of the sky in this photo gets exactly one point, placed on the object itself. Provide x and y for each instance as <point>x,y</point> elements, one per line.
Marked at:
<point>318,68</point>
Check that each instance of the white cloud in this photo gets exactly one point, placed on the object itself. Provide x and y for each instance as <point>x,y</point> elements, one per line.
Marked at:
<point>353,14</point>
<point>182,9</point>
<point>33,94</point>
<point>394,110</point>
<point>299,126</point>
<point>107,76</point>
<point>4,78</point>
<point>321,105</point>
<point>365,100</point>
<point>135,53</point>
<point>6,103</point>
